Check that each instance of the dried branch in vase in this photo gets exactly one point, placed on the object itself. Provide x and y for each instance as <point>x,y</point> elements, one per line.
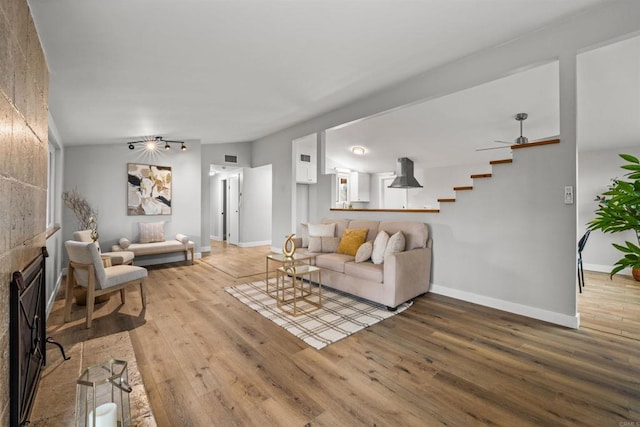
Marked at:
<point>81,208</point>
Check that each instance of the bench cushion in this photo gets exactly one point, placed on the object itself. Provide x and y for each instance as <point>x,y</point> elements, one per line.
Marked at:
<point>141,249</point>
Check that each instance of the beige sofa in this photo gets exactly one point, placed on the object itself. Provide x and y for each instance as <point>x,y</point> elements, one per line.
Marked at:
<point>180,244</point>
<point>401,277</point>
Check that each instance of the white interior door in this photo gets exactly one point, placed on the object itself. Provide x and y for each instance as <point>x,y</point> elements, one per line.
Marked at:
<point>233,211</point>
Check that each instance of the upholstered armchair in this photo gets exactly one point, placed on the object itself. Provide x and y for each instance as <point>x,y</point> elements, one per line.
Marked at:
<point>116,258</point>
<point>86,269</point>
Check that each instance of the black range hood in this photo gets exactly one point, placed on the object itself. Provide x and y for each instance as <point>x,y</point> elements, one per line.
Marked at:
<point>404,172</point>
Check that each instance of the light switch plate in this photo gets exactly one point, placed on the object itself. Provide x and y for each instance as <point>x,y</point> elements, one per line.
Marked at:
<point>568,195</point>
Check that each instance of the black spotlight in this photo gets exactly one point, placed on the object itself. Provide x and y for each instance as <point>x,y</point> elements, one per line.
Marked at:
<point>184,147</point>
<point>167,146</point>
<point>131,147</point>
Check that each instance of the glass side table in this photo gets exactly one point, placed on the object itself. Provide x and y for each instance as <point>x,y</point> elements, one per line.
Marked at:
<point>298,296</point>
<point>284,261</point>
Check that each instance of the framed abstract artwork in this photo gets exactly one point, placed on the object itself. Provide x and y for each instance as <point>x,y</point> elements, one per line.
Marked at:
<point>148,189</point>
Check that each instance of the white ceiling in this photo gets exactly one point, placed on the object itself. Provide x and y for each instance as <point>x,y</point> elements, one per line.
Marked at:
<point>228,71</point>
<point>448,130</point>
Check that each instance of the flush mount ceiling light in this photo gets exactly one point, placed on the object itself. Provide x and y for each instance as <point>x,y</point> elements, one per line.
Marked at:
<point>358,150</point>
<point>155,143</point>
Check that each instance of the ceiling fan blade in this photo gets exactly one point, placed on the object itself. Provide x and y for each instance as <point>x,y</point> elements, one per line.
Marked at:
<point>504,142</point>
<point>490,148</point>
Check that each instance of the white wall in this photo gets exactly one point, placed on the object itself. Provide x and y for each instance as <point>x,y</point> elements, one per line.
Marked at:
<point>255,207</point>
<point>554,224</point>
<point>437,184</point>
<point>595,171</point>
<point>99,173</point>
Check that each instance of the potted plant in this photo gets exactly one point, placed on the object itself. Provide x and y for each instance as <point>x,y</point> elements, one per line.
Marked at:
<point>619,210</point>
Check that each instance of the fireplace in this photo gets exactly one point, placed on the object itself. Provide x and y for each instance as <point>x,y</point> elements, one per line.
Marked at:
<point>27,329</point>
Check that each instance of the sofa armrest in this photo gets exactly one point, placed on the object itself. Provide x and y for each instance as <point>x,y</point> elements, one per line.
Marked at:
<point>409,272</point>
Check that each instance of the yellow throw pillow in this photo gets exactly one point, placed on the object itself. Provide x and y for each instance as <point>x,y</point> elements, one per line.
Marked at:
<point>351,240</point>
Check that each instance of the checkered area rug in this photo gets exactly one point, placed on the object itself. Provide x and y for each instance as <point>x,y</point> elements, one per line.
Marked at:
<point>340,316</point>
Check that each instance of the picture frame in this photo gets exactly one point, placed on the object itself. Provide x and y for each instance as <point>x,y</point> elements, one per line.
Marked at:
<point>149,189</point>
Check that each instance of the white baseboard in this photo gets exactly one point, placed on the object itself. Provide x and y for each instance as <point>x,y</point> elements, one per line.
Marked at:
<point>276,249</point>
<point>511,307</point>
<point>52,297</point>
<point>216,238</point>
<point>252,244</point>
<point>205,249</point>
<point>604,268</point>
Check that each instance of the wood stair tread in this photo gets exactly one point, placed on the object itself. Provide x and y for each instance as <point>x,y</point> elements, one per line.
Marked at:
<point>446,200</point>
<point>481,175</point>
<point>535,144</point>
<point>500,162</point>
<point>469,187</point>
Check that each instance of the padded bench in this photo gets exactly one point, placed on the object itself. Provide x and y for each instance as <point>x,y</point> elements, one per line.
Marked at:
<point>180,244</point>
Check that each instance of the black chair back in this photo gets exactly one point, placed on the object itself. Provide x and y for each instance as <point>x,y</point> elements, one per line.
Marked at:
<point>583,241</point>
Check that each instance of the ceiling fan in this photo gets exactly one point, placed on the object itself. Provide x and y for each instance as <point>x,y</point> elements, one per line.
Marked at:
<point>519,140</point>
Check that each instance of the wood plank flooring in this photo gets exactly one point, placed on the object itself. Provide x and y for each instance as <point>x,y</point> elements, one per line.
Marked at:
<point>207,360</point>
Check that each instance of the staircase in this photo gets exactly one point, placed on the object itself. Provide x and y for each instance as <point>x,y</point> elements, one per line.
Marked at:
<point>494,163</point>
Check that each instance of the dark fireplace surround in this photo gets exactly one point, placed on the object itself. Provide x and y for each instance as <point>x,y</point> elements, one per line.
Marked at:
<point>27,341</point>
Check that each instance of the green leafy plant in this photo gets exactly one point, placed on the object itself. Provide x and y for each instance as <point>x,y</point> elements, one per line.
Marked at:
<point>619,210</point>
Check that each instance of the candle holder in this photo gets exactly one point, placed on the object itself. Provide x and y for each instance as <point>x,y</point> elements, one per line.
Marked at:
<point>102,396</point>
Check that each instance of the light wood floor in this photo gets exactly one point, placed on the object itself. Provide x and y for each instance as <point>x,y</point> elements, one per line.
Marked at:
<point>207,360</point>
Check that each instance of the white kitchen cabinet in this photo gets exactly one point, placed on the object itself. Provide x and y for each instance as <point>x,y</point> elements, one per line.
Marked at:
<point>360,187</point>
<point>306,163</point>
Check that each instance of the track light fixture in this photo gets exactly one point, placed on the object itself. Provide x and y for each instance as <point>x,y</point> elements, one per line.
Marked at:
<point>155,143</point>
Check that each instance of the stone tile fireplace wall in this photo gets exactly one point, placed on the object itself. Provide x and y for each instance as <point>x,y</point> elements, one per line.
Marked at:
<point>24,91</point>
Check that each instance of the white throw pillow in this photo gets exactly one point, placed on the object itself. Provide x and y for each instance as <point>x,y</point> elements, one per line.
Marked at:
<point>182,238</point>
<point>322,230</point>
<point>304,234</point>
<point>151,232</point>
<point>379,246</point>
<point>124,242</point>
<point>323,244</point>
<point>395,244</point>
<point>364,251</point>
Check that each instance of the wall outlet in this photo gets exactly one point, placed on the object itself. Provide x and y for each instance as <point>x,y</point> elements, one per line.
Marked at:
<point>568,195</point>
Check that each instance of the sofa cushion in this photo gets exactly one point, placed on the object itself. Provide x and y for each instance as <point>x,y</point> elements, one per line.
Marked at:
<point>151,232</point>
<point>323,244</point>
<point>341,224</point>
<point>365,270</point>
<point>351,240</point>
<point>395,244</point>
<point>333,262</point>
<point>141,249</point>
<point>416,233</point>
<point>322,230</point>
<point>364,251</point>
<point>372,226</point>
<point>379,246</point>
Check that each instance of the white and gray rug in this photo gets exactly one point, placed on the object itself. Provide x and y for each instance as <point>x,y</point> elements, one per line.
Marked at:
<point>340,316</point>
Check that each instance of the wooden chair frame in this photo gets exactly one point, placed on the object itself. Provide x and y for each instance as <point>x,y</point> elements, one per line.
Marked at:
<point>92,292</point>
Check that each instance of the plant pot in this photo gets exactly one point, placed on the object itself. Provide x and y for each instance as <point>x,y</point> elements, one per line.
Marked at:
<point>636,273</point>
